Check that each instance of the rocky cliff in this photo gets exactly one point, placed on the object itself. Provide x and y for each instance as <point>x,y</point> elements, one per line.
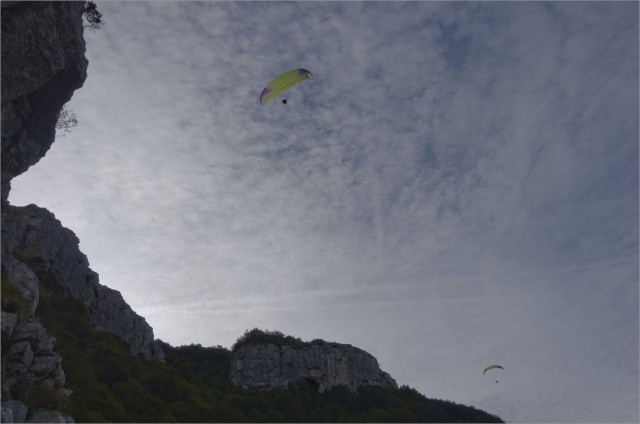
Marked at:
<point>324,365</point>
<point>43,63</point>
<point>36,248</point>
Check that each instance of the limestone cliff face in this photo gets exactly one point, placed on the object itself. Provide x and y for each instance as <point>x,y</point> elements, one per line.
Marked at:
<point>43,63</point>
<point>324,365</point>
<point>37,248</point>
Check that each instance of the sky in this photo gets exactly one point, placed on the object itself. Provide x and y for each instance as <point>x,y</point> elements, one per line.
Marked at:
<point>457,186</point>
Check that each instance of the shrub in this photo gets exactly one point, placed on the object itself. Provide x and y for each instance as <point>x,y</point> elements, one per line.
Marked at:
<point>257,336</point>
<point>42,394</point>
<point>66,121</point>
<point>92,16</point>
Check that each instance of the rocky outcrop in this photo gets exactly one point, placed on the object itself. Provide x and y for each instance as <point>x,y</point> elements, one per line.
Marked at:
<point>324,365</point>
<point>31,370</point>
<point>42,64</point>
<point>14,412</point>
<point>36,247</point>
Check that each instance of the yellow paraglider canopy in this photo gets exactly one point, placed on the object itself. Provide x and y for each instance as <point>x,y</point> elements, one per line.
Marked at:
<point>283,82</point>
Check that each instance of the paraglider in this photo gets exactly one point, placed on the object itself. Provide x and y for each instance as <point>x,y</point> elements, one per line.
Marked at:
<point>284,101</point>
<point>282,83</point>
<point>492,367</point>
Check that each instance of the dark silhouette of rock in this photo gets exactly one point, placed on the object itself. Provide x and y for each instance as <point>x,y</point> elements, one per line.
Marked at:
<point>42,64</point>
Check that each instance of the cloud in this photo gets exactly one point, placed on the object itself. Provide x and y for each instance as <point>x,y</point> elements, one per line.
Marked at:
<point>458,180</point>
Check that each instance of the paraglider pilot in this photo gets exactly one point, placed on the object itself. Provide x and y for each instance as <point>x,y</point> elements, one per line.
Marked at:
<point>284,101</point>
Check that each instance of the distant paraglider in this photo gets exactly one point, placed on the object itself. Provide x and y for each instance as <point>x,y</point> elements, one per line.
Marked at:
<point>492,367</point>
<point>282,83</point>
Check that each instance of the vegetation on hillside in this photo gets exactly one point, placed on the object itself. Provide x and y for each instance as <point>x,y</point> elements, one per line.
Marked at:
<point>258,336</point>
<point>111,385</point>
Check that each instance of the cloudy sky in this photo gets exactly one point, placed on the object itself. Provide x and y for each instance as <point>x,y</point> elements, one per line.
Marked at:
<point>456,186</point>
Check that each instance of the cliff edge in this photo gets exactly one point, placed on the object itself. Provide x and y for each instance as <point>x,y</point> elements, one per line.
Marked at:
<point>43,63</point>
<point>270,360</point>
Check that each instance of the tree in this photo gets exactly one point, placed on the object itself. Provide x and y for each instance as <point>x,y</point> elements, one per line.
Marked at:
<point>66,121</point>
<point>93,17</point>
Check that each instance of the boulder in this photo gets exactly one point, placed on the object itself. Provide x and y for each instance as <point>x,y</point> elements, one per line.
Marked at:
<point>8,322</point>
<point>21,353</point>
<point>48,366</point>
<point>14,411</point>
<point>31,331</point>
<point>23,284</point>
